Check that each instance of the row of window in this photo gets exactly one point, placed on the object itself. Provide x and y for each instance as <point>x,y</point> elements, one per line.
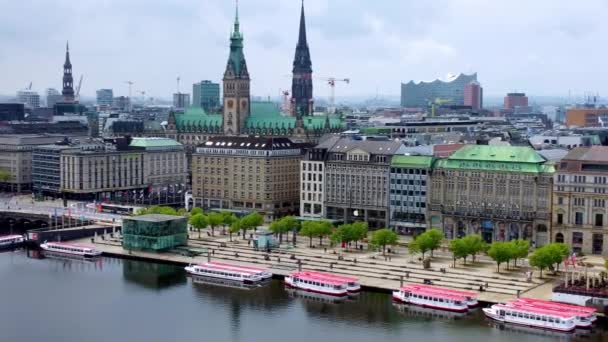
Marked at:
<point>316,283</point>
<point>398,171</point>
<point>534,317</point>
<point>408,182</point>
<point>579,219</point>
<point>312,167</point>
<point>408,192</point>
<point>222,273</point>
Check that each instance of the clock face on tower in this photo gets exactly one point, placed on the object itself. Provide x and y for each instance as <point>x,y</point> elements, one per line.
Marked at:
<point>244,104</point>
<point>230,103</point>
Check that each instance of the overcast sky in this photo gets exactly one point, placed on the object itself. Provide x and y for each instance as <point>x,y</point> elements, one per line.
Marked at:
<point>542,47</point>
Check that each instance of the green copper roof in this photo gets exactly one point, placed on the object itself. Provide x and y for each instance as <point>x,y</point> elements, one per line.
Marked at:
<point>412,161</point>
<point>497,158</point>
<point>153,142</point>
<point>375,130</point>
<point>197,117</point>
<point>268,115</point>
<point>520,154</point>
<point>263,115</point>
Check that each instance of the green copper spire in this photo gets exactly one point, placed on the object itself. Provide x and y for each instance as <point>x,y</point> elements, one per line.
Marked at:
<point>237,57</point>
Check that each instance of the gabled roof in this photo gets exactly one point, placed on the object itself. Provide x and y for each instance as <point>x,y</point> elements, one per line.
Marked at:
<point>593,153</point>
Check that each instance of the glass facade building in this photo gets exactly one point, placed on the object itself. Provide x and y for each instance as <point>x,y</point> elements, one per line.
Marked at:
<point>154,232</point>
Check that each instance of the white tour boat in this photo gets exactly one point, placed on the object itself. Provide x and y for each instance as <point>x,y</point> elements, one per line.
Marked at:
<point>262,272</point>
<point>67,248</point>
<point>315,283</point>
<point>11,241</point>
<point>224,272</point>
<point>532,317</point>
<point>585,316</point>
<point>431,299</point>
<point>352,284</point>
<point>471,297</point>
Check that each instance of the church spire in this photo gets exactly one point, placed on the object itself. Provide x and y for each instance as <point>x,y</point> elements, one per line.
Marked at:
<point>68,81</point>
<point>236,18</point>
<point>301,85</point>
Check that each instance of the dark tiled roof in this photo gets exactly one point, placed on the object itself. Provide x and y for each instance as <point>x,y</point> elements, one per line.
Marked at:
<point>593,153</point>
<point>250,143</point>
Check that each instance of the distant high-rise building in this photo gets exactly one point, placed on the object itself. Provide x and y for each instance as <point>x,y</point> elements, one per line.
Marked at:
<point>181,100</point>
<point>121,103</point>
<point>28,97</point>
<point>513,100</point>
<point>68,80</point>
<point>52,97</point>
<point>105,97</point>
<point>301,85</point>
<point>206,95</point>
<point>473,95</point>
<point>416,95</point>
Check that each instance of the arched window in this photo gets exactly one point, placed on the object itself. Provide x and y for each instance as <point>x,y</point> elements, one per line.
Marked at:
<point>559,237</point>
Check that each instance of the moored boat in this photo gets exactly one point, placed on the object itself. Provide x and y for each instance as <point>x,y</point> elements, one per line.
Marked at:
<point>68,248</point>
<point>584,316</point>
<point>224,272</point>
<point>11,241</point>
<point>471,297</point>
<point>431,299</point>
<point>352,284</point>
<point>315,283</point>
<point>262,272</point>
<point>532,317</point>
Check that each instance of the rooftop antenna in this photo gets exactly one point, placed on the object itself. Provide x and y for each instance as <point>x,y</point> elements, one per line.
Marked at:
<point>178,78</point>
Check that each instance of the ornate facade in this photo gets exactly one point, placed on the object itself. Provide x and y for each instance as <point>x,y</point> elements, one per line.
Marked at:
<point>500,192</point>
<point>68,79</point>
<point>580,196</point>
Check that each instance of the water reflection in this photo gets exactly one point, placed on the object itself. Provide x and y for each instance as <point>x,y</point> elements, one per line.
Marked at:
<point>152,276</point>
<point>527,332</point>
<point>414,311</point>
<point>314,297</point>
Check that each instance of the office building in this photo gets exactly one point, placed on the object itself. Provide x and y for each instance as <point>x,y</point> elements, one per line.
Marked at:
<point>421,94</point>
<point>165,162</point>
<point>312,171</point>
<point>206,95</point>
<point>515,100</point>
<point>473,95</point>
<point>587,117</point>
<point>181,100</point>
<point>16,159</point>
<point>356,181</point>
<point>122,103</point>
<point>580,198</point>
<point>247,174</point>
<point>12,111</point>
<point>500,192</point>
<point>105,98</point>
<point>29,98</point>
<point>154,233</point>
<point>53,96</point>
<point>409,183</point>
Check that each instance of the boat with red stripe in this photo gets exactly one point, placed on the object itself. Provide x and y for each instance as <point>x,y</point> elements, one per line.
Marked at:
<point>352,283</point>
<point>263,272</point>
<point>532,317</point>
<point>224,272</point>
<point>69,248</point>
<point>471,297</point>
<point>315,283</point>
<point>11,241</point>
<point>583,317</point>
<point>433,299</point>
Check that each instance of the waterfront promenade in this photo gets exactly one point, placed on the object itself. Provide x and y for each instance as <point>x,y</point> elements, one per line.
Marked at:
<point>374,270</point>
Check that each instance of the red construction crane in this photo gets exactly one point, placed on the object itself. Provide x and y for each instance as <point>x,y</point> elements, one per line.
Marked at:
<point>331,81</point>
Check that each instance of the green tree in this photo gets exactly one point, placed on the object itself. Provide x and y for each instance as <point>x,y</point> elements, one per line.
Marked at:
<point>183,212</point>
<point>423,243</point>
<point>606,264</point>
<point>157,210</point>
<point>520,249</point>
<point>359,231</point>
<point>460,249</point>
<point>235,226</point>
<point>475,245</point>
<point>251,221</point>
<point>542,258</point>
<point>195,211</point>
<point>500,252</point>
<point>384,237</point>
<point>214,219</point>
<point>322,229</point>
<point>558,252</point>
<point>435,238</point>
<point>309,229</point>
<point>345,233</point>
<point>227,218</point>
<point>5,176</point>
<point>413,248</point>
<point>283,225</point>
<point>291,224</point>
<point>199,221</point>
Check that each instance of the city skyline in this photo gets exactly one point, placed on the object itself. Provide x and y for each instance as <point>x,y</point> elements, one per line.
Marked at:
<point>516,48</point>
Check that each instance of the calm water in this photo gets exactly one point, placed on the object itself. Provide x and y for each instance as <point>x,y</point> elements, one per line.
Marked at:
<point>55,299</point>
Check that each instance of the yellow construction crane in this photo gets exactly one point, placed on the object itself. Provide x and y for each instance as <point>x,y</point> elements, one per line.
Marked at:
<point>437,101</point>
